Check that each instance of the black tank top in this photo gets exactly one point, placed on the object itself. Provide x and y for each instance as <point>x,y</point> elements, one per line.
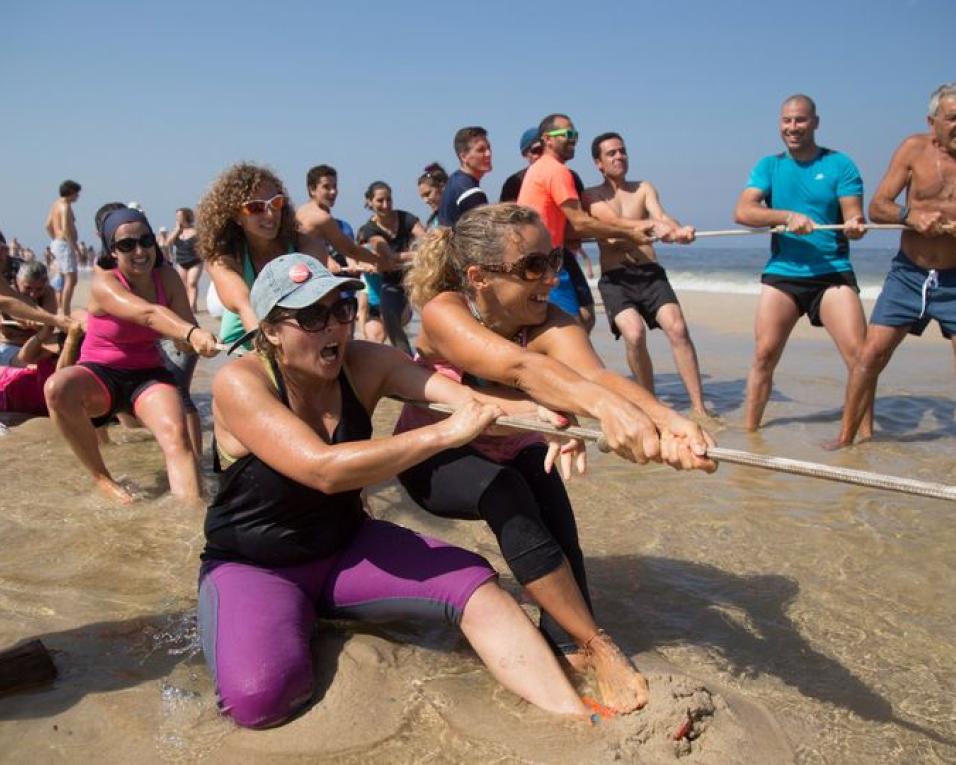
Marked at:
<point>260,516</point>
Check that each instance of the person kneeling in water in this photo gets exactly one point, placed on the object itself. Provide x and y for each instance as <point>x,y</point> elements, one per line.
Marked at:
<point>287,536</point>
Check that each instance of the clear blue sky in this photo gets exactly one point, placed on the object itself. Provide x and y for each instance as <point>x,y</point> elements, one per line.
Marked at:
<point>150,101</point>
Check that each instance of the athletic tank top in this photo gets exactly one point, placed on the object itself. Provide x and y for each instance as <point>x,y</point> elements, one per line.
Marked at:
<point>262,517</point>
<point>120,343</point>
<point>231,328</point>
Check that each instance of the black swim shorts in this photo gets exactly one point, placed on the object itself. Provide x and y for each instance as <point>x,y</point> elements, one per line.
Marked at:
<point>808,292</point>
<point>643,287</point>
<point>124,386</point>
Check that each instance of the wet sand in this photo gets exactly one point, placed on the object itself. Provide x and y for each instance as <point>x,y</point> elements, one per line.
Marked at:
<point>797,619</point>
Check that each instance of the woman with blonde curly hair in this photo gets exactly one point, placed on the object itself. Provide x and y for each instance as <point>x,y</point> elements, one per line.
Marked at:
<point>482,290</point>
<point>245,220</point>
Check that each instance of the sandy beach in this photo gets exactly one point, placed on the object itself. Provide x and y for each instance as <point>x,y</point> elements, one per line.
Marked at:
<point>794,619</point>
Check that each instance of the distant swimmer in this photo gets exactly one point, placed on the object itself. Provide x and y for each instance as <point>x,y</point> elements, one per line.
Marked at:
<point>288,538</point>
<point>921,283</point>
<point>462,192</point>
<point>135,300</point>
<point>633,285</point>
<point>809,271</point>
<point>61,226</point>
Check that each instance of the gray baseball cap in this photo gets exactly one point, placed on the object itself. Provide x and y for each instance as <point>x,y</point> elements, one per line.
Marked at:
<point>292,281</point>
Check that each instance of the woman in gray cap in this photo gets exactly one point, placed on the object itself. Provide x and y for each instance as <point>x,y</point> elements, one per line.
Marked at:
<point>287,535</point>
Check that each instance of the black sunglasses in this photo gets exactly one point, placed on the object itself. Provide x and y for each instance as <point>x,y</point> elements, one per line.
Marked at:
<point>315,317</point>
<point>129,244</point>
<point>531,267</point>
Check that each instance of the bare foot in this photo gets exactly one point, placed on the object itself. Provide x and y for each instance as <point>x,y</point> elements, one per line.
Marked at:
<point>837,443</point>
<point>622,687</point>
<point>112,490</point>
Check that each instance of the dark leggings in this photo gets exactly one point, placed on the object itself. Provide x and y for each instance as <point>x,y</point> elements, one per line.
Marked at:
<point>527,509</point>
<point>392,305</point>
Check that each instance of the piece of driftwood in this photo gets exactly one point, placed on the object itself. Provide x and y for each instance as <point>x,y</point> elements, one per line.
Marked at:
<point>25,666</point>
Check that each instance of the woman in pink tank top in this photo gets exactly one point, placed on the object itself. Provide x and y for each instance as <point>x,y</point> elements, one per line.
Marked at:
<point>482,289</point>
<point>132,305</point>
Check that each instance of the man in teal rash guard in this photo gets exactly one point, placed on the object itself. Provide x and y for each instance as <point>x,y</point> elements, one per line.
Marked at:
<point>809,270</point>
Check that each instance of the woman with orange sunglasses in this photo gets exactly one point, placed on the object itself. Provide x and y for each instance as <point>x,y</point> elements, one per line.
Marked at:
<point>245,220</point>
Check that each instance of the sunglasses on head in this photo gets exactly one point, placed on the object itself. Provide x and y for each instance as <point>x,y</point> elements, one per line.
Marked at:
<point>128,244</point>
<point>531,267</point>
<point>259,206</point>
<point>569,133</point>
<point>315,317</point>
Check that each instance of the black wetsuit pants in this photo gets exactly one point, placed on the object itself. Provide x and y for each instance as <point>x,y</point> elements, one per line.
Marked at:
<point>527,509</point>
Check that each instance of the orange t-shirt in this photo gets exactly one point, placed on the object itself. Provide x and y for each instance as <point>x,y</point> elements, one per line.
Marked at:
<point>546,186</point>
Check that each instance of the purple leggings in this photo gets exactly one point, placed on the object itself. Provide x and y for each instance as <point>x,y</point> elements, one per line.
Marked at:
<point>256,622</point>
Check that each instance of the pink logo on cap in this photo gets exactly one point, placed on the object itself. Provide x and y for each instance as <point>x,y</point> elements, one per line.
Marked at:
<point>300,273</point>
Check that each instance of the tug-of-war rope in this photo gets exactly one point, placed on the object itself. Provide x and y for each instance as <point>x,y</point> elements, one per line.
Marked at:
<point>737,457</point>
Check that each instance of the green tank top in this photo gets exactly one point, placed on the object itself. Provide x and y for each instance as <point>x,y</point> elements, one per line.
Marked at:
<point>231,328</point>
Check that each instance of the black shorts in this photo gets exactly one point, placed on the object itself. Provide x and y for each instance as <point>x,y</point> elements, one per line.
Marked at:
<point>374,312</point>
<point>643,287</point>
<point>124,386</point>
<point>808,292</point>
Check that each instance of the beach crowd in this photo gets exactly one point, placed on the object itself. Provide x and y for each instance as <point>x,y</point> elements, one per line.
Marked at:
<point>316,313</point>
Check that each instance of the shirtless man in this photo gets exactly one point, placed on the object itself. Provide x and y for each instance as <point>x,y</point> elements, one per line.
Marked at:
<point>634,286</point>
<point>809,270</point>
<point>316,224</point>
<point>61,226</point>
<point>921,284</point>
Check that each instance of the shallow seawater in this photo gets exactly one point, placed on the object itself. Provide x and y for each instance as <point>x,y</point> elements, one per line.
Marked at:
<point>830,606</point>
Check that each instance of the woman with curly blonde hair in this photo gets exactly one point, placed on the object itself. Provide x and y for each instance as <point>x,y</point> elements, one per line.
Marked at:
<point>482,290</point>
<point>245,220</point>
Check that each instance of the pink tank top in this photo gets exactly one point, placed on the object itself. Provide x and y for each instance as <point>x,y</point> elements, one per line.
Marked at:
<point>120,343</point>
<point>495,448</point>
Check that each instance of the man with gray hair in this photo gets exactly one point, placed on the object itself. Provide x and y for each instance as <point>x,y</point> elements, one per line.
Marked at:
<point>809,270</point>
<point>22,344</point>
<point>921,283</point>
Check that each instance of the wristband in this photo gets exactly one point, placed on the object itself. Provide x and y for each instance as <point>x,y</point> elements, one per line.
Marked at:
<point>904,214</point>
<point>189,334</point>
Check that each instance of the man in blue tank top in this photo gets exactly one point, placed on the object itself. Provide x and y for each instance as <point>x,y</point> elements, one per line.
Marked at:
<point>809,270</point>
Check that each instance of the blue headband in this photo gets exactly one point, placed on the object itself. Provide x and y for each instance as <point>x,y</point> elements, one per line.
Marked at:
<point>117,218</point>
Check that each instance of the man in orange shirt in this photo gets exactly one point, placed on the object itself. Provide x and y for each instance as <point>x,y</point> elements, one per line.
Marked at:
<point>548,188</point>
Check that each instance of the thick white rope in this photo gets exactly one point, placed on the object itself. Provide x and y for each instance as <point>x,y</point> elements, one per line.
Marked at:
<point>737,457</point>
<point>782,229</point>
